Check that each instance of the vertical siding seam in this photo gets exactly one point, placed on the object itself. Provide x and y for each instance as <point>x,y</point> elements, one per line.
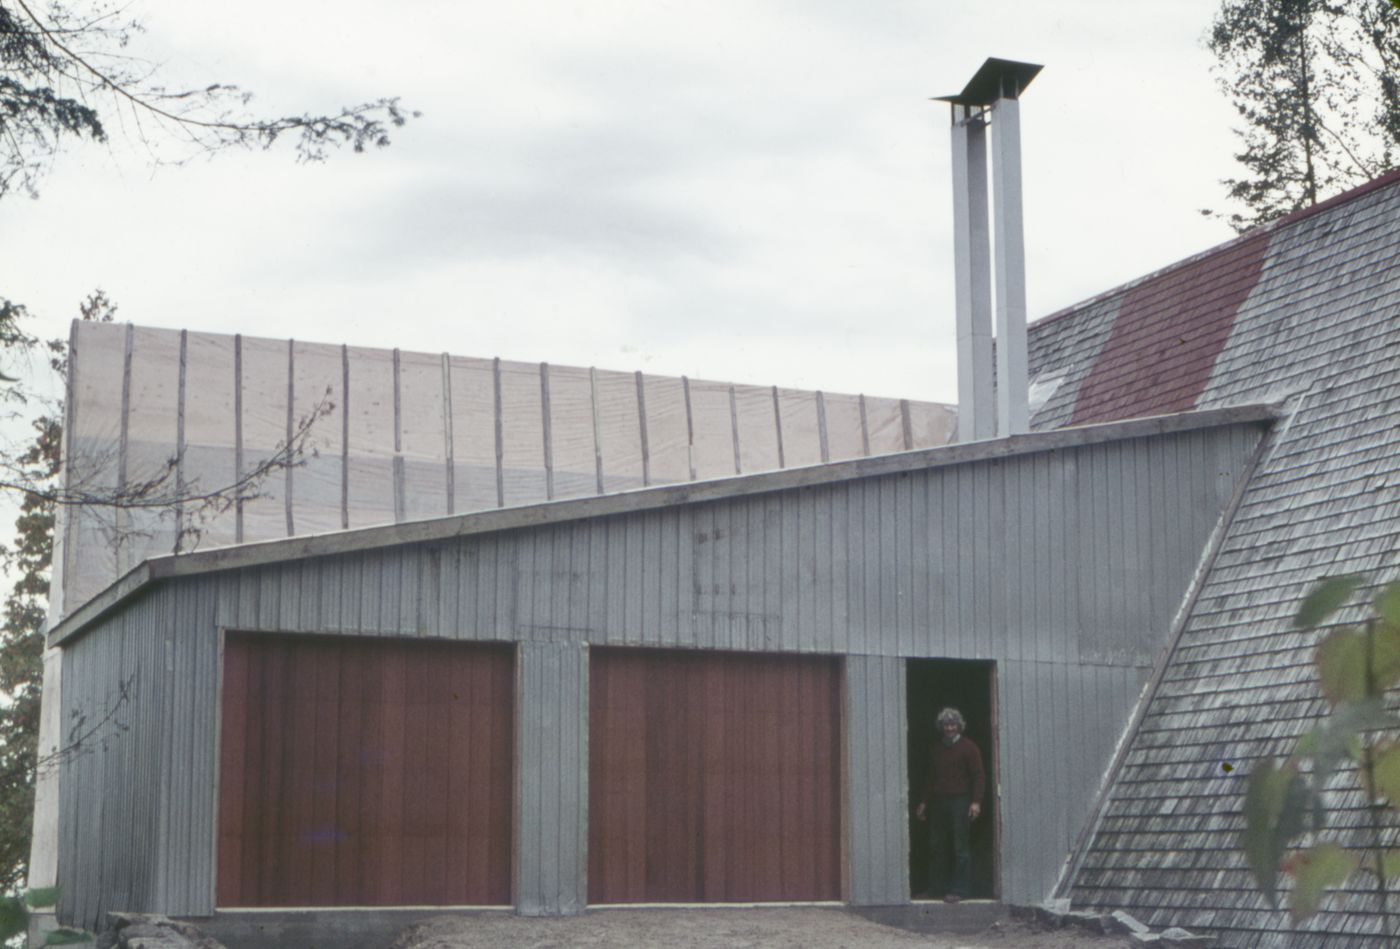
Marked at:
<point>500,444</point>
<point>448,445</point>
<point>689,427</point>
<point>180,444</point>
<point>547,430</point>
<point>597,427</point>
<point>778,426</point>
<point>398,472</point>
<point>642,428</point>
<point>864,428</point>
<point>734,428</point>
<point>123,451</point>
<point>237,432</point>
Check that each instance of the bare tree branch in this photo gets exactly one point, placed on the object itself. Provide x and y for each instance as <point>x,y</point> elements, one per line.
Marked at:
<point>64,76</point>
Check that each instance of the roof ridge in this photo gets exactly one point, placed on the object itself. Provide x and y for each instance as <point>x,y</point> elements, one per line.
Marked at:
<point>1375,184</point>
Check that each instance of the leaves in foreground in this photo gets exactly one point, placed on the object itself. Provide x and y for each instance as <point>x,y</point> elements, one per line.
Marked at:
<point>1356,665</point>
<point>1316,870</point>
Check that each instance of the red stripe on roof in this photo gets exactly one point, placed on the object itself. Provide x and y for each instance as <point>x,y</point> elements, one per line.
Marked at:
<point>1167,335</point>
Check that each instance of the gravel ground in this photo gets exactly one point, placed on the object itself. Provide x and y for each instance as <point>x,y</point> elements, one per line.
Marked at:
<point>777,928</point>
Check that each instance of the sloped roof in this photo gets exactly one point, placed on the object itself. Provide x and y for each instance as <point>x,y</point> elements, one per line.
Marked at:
<point>1306,310</point>
<point>332,543</point>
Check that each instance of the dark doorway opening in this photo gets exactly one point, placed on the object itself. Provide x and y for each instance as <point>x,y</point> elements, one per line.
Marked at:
<point>970,687</point>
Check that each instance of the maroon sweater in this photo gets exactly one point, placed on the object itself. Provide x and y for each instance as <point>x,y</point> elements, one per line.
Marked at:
<point>955,769</point>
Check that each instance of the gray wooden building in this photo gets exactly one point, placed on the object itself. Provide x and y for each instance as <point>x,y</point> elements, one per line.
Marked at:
<point>1059,563</point>
<point>617,699</point>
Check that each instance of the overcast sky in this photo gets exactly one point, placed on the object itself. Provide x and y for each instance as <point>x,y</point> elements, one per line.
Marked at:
<point>752,191</point>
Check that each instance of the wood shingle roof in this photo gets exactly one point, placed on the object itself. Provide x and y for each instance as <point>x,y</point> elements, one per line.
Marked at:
<point>1307,311</point>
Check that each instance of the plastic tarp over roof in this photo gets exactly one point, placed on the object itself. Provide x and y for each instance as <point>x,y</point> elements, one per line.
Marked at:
<point>391,436</point>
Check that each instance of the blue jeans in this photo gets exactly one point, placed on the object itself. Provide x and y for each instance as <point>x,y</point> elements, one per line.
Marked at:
<point>948,826</point>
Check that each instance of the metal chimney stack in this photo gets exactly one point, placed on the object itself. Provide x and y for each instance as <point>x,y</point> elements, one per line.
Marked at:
<point>991,98</point>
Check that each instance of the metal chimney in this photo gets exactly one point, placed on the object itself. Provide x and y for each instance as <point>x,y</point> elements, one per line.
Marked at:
<point>991,98</point>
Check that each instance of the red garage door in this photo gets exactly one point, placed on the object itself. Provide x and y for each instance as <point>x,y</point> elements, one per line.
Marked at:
<point>713,777</point>
<point>360,772</point>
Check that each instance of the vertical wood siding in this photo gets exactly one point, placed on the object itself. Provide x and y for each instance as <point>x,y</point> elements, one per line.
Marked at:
<point>1065,567</point>
<point>714,777</point>
<point>1075,556</point>
<point>551,774</point>
<point>877,778</point>
<point>364,773</point>
<point>137,802</point>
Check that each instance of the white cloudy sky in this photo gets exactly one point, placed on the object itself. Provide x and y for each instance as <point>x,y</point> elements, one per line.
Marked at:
<point>757,191</point>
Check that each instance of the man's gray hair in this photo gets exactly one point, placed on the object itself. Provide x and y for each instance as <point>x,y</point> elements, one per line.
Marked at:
<point>951,715</point>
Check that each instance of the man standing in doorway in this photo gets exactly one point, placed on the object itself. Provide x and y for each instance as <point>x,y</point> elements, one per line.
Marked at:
<point>951,800</point>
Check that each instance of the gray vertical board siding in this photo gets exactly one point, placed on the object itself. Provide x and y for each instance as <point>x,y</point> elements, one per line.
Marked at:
<point>728,574</point>
<point>877,781</point>
<point>1060,723</point>
<point>137,806</point>
<point>551,779</point>
<point>1031,558</point>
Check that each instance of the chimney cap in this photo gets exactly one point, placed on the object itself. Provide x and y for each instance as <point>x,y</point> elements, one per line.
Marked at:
<point>996,79</point>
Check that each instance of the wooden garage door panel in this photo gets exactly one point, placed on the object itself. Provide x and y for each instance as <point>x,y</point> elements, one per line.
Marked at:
<point>364,772</point>
<point>713,777</point>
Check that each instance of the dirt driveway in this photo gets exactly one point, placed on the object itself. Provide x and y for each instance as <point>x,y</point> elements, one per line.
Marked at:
<point>776,928</point>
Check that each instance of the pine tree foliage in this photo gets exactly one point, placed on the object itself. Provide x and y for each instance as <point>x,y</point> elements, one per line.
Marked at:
<point>66,74</point>
<point>1316,86</point>
<point>27,560</point>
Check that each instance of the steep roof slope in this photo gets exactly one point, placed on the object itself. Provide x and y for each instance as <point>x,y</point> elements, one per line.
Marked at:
<point>1306,310</point>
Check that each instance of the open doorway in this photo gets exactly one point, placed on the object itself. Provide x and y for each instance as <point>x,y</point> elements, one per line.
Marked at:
<point>970,687</point>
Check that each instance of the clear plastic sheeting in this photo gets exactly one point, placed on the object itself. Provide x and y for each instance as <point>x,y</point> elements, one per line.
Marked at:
<point>799,428</point>
<point>884,424</point>
<point>522,433</point>
<point>473,428</point>
<point>619,429</point>
<point>668,437</point>
<point>422,450</point>
<point>390,436</point>
<point>930,423</point>
<point>263,387</point>
<point>208,462</point>
<point>370,435</point>
<point>318,404</point>
<point>573,449</point>
<point>713,430</point>
<point>756,421</point>
<point>845,436</point>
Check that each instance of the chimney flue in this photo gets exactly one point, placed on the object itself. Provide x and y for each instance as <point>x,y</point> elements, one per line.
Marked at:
<point>991,98</point>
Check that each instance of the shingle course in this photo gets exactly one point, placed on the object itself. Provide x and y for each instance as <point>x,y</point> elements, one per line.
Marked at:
<point>1319,324</point>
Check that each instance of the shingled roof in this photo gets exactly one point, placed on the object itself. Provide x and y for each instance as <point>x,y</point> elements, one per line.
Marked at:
<point>1306,310</point>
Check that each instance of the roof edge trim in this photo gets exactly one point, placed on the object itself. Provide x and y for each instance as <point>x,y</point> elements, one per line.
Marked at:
<point>264,553</point>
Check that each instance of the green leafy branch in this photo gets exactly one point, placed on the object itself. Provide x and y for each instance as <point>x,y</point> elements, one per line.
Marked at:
<point>1355,667</point>
<point>14,918</point>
